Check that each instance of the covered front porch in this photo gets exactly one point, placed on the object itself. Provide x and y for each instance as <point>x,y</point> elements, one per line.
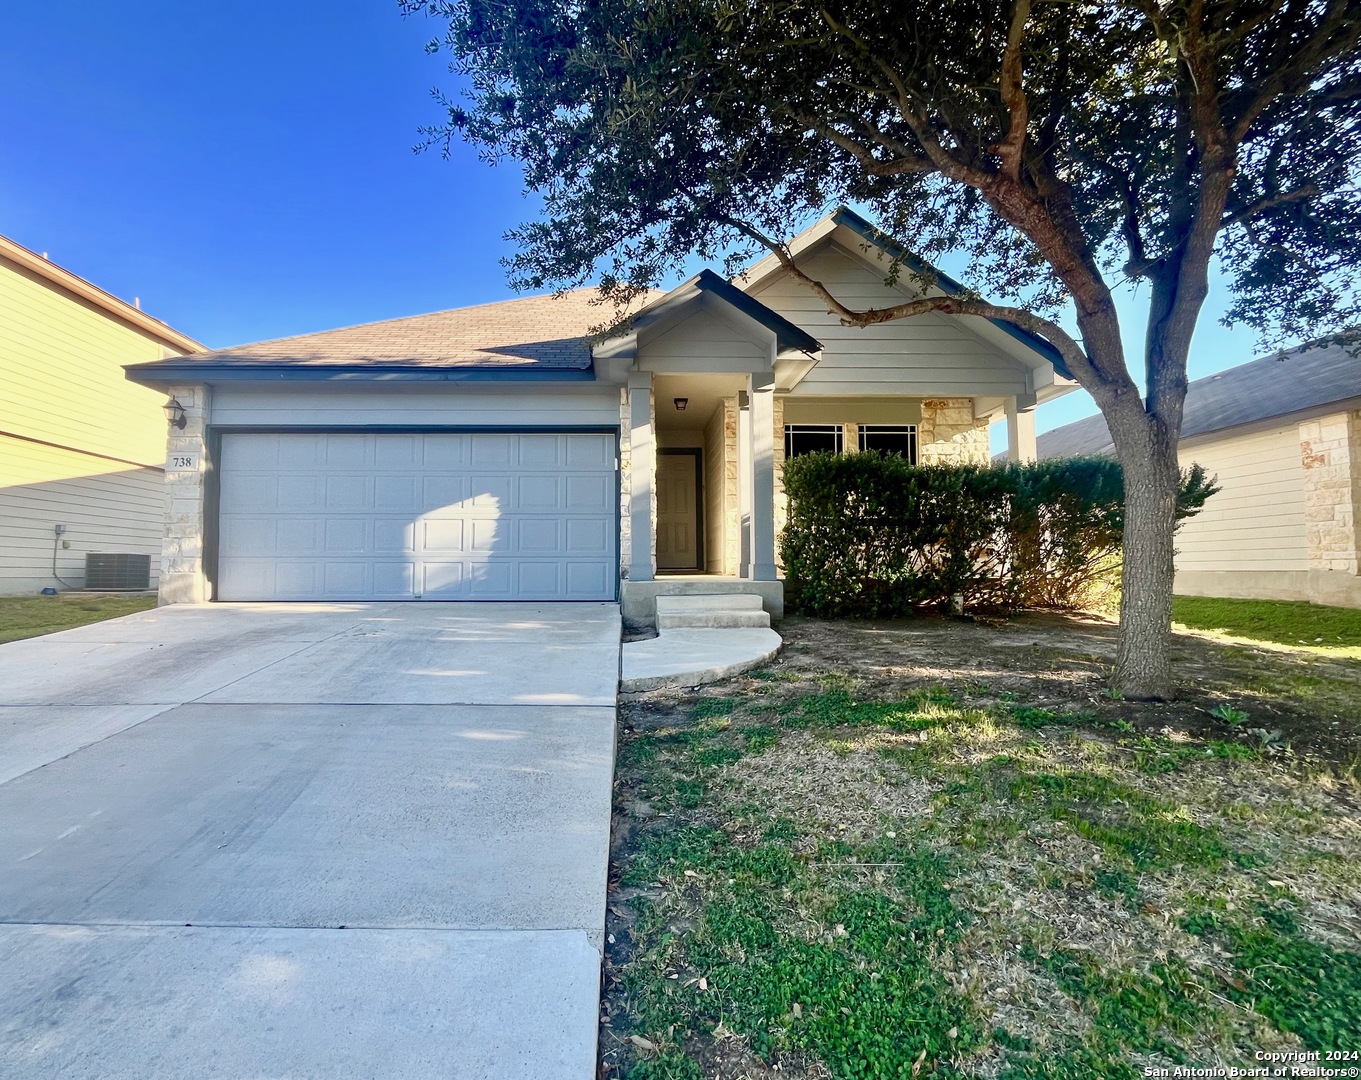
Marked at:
<point>703,460</point>
<point>700,443</point>
<point>705,464</point>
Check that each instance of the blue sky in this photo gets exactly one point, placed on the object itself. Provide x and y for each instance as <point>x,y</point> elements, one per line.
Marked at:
<point>246,169</point>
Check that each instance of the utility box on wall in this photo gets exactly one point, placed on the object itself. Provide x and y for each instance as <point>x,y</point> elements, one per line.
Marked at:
<point>117,572</point>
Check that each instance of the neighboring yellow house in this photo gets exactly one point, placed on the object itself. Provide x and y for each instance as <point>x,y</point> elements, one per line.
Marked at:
<point>81,448</point>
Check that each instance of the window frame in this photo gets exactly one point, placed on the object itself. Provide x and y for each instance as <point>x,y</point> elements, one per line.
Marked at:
<point>838,431</point>
<point>910,430</point>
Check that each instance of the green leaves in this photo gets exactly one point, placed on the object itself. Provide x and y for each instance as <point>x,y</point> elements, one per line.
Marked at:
<point>1303,987</point>
<point>647,128</point>
<point>873,536</point>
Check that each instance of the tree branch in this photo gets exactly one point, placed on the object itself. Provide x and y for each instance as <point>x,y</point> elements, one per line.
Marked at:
<point>1266,202</point>
<point>950,165</point>
<point>1181,281</point>
<point>1013,94</point>
<point>1138,264</point>
<point>1244,30</point>
<point>904,162</point>
<point>1073,354</point>
<point>1059,238</point>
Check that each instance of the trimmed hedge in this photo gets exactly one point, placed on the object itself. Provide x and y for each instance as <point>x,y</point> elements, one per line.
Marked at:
<point>870,535</point>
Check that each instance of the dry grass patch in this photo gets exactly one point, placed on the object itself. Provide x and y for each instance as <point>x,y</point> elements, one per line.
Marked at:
<point>849,866</point>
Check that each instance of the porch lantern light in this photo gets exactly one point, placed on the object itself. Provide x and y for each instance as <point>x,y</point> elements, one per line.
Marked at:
<point>174,412</point>
<point>680,403</point>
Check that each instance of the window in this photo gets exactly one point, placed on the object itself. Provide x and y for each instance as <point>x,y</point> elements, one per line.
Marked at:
<point>890,439</point>
<point>810,438</point>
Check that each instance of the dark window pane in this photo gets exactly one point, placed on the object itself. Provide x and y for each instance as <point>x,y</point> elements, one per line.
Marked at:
<point>811,438</point>
<point>890,440</point>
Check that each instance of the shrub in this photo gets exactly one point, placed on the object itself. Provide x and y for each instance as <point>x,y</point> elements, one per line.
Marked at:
<point>871,535</point>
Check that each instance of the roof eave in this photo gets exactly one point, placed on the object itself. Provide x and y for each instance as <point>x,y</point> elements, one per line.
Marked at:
<point>93,294</point>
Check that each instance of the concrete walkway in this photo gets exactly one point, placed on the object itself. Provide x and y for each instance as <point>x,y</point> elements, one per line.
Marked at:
<point>307,841</point>
<point>693,656</point>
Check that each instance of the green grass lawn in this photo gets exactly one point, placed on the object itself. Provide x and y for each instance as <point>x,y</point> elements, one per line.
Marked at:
<point>1279,622</point>
<point>818,873</point>
<point>31,616</point>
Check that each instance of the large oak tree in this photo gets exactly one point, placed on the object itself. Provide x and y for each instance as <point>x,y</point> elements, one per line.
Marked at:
<point>1067,145</point>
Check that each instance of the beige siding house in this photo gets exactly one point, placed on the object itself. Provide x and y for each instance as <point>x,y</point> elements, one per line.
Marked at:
<point>506,452</point>
<point>1283,436</point>
<point>80,446</point>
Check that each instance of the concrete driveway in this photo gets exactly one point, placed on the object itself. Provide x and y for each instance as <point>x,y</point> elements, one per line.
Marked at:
<point>321,841</point>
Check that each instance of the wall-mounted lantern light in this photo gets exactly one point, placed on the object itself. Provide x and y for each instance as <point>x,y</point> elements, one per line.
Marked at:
<point>174,412</point>
<point>680,403</point>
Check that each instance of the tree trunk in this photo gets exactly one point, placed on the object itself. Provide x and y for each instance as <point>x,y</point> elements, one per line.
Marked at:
<point>1143,669</point>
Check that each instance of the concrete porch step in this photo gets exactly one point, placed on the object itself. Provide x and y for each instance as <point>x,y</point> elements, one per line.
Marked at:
<point>711,611</point>
<point>712,617</point>
<point>709,601</point>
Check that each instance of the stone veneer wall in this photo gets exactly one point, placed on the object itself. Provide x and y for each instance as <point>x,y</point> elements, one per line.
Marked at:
<point>1330,453</point>
<point>732,534</point>
<point>949,434</point>
<point>722,544</point>
<point>182,579</point>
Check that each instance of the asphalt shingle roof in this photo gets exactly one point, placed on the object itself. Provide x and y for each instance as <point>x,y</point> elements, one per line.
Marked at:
<point>1260,390</point>
<point>543,332</point>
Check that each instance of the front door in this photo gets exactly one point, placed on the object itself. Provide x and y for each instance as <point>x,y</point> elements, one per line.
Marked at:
<point>678,510</point>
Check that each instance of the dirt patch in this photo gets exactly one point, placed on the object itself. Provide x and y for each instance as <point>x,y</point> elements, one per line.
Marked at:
<point>849,794</point>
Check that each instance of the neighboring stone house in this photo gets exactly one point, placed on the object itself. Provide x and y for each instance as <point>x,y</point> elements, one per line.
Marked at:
<point>82,450</point>
<point>1283,435</point>
<point>504,452</point>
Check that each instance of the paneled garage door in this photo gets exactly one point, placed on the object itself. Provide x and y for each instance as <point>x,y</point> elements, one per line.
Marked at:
<point>434,516</point>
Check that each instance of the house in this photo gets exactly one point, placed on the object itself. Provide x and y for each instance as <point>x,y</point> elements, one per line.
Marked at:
<point>1283,435</point>
<point>82,450</point>
<point>503,452</point>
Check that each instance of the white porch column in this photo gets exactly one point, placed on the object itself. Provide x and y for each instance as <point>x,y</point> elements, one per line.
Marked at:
<point>762,431</point>
<point>1020,433</point>
<point>744,484</point>
<point>642,479</point>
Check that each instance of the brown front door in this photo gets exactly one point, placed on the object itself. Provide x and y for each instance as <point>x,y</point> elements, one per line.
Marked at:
<point>678,510</point>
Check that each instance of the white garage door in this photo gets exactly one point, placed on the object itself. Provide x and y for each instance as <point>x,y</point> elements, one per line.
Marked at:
<point>469,516</point>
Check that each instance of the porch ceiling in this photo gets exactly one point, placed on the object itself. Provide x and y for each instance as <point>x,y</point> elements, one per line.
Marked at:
<point>704,393</point>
